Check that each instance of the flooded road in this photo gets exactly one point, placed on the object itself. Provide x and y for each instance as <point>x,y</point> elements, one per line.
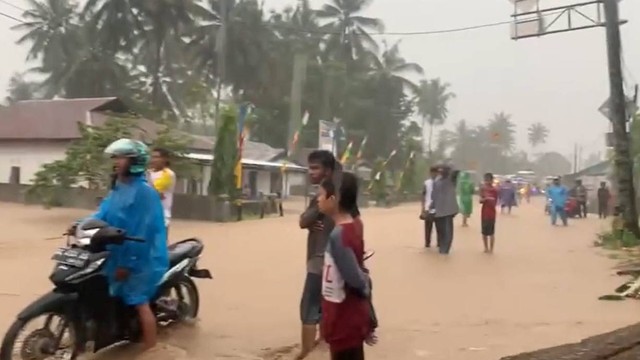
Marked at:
<point>539,289</point>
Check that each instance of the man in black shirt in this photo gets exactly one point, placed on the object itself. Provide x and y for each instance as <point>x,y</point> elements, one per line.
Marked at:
<point>603,200</point>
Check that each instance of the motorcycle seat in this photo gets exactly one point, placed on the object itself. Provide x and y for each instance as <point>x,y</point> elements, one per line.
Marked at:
<point>184,249</point>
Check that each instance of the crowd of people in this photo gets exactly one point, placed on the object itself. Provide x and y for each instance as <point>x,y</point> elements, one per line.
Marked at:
<point>448,192</point>
<point>336,305</point>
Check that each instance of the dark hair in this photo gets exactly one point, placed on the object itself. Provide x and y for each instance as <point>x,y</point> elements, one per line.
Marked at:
<point>323,157</point>
<point>433,169</point>
<point>348,200</point>
<point>347,194</point>
<point>488,175</point>
<point>164,153</point>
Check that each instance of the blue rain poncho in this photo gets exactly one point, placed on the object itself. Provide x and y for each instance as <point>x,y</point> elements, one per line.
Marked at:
<point>135,206</point>
<point>558,195</point>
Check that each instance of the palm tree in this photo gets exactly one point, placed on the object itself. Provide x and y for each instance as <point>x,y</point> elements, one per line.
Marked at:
<point>349,31</point>
<point>432,103</point>
<point>391,67</point>
<point>502,132</point>
<point>49,27</point>
<point>537,134</point>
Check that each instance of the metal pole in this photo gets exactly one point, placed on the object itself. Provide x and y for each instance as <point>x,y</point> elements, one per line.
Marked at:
<point>623,167</point>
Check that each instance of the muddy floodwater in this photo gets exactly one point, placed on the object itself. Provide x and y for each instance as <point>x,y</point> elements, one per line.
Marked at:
<point>539,289</point>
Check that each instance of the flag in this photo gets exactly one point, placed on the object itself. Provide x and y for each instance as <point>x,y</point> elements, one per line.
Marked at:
<point>393,153</point>
<point>361,149</point>
<point>378,174</point>
<point>238,168</point>
<point>347,153</point>
<point>237,171</point>
<point>294,141</point>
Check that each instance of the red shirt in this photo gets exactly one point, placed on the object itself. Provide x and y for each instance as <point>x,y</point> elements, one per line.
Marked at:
<point>490,196</point>
<point>346,324</point>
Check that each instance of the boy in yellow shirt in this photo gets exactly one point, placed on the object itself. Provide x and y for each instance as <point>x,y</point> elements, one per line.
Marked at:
<point>163,180</point>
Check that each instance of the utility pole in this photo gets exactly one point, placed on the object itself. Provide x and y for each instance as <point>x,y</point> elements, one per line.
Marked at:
<point>541,22</point>
<point>575,158</point>
<point>623,165</point>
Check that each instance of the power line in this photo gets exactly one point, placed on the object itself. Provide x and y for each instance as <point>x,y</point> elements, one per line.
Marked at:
<point>11,17</point>
<point>382,33</point>
<point>414,33</point>
<point>12,5</point>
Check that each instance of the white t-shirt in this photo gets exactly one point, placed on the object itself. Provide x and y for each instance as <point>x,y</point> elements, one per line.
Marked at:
<point>332,281</point>
<point>428,187</point>
<point>164,181</point>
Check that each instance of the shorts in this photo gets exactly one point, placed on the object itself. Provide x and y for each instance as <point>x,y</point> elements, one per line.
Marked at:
<point>311,302</point>
<point>488,227</point>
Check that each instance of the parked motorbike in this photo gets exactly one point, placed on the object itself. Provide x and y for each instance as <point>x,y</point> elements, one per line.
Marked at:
<point>79,314</point>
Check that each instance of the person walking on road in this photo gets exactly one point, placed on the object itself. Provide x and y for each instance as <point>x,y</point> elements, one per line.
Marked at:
<point>604,196</point>
<point>507,196</point>
<point>557,195</point>
<point>488,199</point>
<point>322,165</point>
<point>346,291</point>
<point>426,213</point>
<point>465,196</point>
<point>445,206</point>
<point>580,193</point>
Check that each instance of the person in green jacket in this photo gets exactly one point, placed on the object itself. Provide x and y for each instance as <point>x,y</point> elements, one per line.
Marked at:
<point>465,197</point>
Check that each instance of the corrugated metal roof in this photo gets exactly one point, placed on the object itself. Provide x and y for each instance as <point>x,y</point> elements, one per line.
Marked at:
<point>58,119</point>
<point>248,161</point>
<point>51,119</point>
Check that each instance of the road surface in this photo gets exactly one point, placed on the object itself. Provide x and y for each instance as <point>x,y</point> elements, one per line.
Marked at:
<point>539,289</point>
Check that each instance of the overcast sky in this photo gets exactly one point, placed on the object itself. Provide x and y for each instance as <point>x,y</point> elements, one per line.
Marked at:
<point>559,80</point>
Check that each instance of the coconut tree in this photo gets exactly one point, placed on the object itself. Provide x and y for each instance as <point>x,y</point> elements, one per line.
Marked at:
<point>537,134</point>
<point>432,104</point>
<point>49,28</point>
<point>502,132</point>
<point>349,31</point>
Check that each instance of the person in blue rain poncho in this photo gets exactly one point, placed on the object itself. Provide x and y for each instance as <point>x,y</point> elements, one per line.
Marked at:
<point>134,269</point>
<point>557,195</point>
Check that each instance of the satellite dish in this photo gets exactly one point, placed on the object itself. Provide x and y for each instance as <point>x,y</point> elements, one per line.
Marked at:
<point>524,5</point>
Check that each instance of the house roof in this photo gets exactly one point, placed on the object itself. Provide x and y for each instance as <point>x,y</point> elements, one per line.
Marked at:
<point>52,119</point>
<point>58,119</point>
<point>279,164</point>
<point>601,168</point>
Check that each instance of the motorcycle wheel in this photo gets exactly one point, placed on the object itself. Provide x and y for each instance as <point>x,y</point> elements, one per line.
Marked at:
<point>188,310</point>
<point>36,343</point>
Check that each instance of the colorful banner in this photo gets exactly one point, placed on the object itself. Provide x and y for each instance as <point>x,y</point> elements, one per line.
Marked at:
<point>361,149</point>
<point>243,111</point>
<point>347,153</point>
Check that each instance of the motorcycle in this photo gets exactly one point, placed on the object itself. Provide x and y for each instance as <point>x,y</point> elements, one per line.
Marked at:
<point>79,314</point>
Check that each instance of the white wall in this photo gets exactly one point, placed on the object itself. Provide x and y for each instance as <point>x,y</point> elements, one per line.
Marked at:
<point>264,182</point>
<point>29,156</point>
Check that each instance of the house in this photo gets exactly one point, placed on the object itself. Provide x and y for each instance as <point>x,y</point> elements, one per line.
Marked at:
<point>37,132</point>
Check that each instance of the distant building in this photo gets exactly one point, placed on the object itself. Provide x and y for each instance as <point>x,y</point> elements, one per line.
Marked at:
<point>37,132</point>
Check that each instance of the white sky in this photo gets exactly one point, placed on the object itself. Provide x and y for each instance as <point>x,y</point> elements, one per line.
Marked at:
<point>559,80</point>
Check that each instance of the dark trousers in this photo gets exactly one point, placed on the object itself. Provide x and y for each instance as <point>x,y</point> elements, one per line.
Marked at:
<point>428,229</point>
<point>603,210</point>
<point>356,353</point>
<point>444,231</point>
<point>582,208</point>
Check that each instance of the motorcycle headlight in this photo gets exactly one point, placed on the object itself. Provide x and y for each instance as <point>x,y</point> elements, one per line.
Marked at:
<point>88,270</point>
